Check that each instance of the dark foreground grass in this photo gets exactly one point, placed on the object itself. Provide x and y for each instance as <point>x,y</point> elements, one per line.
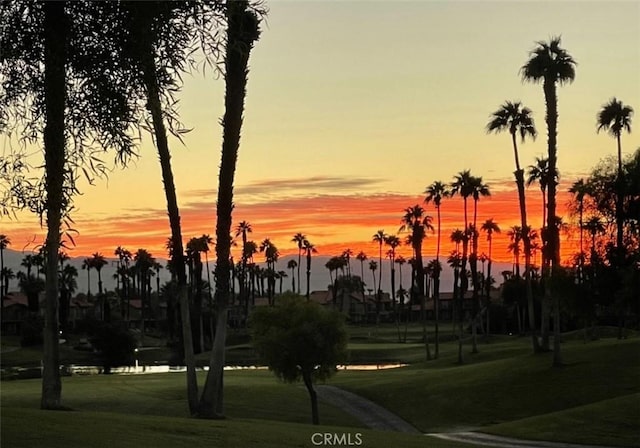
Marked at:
<point>614,422</point>
<point>248,394</point>
<point>492,389</point>
<point>28,428</point>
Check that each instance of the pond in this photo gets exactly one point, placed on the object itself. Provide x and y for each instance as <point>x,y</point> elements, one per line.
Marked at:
<point>70,370</point>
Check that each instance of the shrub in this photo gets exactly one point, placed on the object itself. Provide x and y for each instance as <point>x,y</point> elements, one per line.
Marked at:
<point>115,343</point>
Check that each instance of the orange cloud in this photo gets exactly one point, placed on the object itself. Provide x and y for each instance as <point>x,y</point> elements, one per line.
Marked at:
<point>333,222</point>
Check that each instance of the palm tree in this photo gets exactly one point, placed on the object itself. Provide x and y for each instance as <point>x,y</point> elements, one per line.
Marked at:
<point>271,255</point>
<point>347,254</point>
<point>281,275</point>
<point>551,64</point>
<point>393,242</point>
<point>579,190</point>
<point>124,257</point>
<point>516,120</point>
<point>379,238</point>
<point>490,227</point>
<point>155,60</point>
<point>309,249</point>
<point>97,262</point>
<point>417,223</point>
<point>515,236</point>
<point>6,275</point>
<point>242,32</point>
<point>4,243</point>
<point>362,257</point>
<point>462,185</point>
<point>86,264</point>
<point>615,117</point>
<point>31,286</point>
<point>299,239</point>
<point>594,226</point>
<point>243,228</point>
<point>436,192</point>
<point>454,260</point>
<point>373,266</point>
<point>478,189</point>
<point>539,172</point>
<point>143,264</point>
<point>292,264</point>
<point>68,285</point>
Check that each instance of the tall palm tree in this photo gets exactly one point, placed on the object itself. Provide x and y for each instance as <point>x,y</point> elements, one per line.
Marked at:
<point>243,228</point>
<point>68,285</point>
<point>299,239</point>
<point>615,118</point>
<point>379,238</point>
<point>309,249</point>
<point>393,242</point>
<point>155,42</point>
<point>4,243</point>
<point>417,223</point>
<point>435,193</point>
<point>579,189</point>
<point>124,257</point>
<point>362,257</point>
<point>490,227</point>
<point>373,266</point>
<point>6,275</point>
<point>551,64</point>
<point>455,261</point>
<point>292,264</point>
<point>594,226</point>
<point>143,264</point>
<point>347,254</point>
<point>539,172</point>
<point>86,264</point>
<point>242,32</point>
<point>462,185</point>
<point>515,236</point>
<point>97,262</point>
<point>518,120</point>
<point>271,255</point>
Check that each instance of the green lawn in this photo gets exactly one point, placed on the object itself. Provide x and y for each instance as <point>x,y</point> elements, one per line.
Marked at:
<point>248,394</point>
<point>505,383</point>
<point>613,422</point>
<point>108,430</point>
<point>594,398</point>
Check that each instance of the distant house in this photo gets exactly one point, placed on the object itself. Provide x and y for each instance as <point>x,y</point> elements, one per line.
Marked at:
<point>80,308</point>
<point>15,309</point>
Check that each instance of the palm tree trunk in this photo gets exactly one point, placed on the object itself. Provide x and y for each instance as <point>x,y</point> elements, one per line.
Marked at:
<point>178,260</point>
<point>240,38</point>
<point>308,274</point>
<point>436,294</point>
<point>299,265</point>
<point>619,203</point>
<point>55,39</point>
<point>551,101</point>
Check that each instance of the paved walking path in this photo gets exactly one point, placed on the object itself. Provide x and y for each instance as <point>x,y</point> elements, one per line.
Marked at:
<point>477,438</point>
<point>376,417</point>
<point>368,412</point>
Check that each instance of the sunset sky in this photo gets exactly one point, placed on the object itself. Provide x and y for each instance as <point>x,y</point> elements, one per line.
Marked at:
<point>354,107</point>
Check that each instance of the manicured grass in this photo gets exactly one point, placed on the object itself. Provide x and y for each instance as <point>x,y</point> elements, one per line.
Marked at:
<point>504,382</point>
<point>248,394</point>
<point>108,430</point>
<point>504,390</point>
<point>613,422</point>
